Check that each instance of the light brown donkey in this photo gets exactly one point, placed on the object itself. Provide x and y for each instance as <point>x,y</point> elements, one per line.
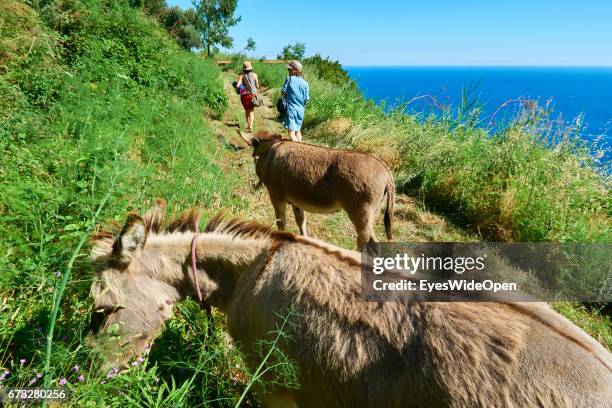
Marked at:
<point>349,353</point>
<point>322,180</point>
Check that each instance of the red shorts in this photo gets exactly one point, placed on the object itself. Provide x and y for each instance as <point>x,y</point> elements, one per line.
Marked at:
<point>247,102</point>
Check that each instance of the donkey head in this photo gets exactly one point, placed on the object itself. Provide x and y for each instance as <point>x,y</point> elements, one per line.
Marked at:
<point>261,141</point>
<point>130,303</point>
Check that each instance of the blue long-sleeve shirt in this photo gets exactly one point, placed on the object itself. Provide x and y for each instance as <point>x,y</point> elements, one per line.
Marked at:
<point>297,93</point>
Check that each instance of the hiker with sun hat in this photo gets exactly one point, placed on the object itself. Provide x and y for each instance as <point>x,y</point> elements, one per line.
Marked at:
<point>247,85</point>
<point>296,92</point>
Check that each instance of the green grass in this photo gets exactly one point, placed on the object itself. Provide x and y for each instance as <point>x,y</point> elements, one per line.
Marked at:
<point>594,320</point>
<point>101,109</point>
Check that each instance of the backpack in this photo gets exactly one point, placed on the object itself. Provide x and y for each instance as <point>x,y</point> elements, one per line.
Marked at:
<point>282,105</point>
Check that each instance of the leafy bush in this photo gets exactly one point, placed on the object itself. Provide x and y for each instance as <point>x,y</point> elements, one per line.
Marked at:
<point>293,51</point>
<point>181,24</point>
<point>329,70</point>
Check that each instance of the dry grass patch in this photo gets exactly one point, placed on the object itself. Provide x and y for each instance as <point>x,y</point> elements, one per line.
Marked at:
<point>337,127</point>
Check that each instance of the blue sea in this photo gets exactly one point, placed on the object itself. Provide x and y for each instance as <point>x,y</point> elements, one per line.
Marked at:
<point>573,93</point>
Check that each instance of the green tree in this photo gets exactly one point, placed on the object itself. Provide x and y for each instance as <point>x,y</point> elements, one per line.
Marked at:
<point>251,46</point>
<point>154,7</point>
<point>330,70</point>
<point>181,24</point>
<point>213,20</point>
<point>293,52</point>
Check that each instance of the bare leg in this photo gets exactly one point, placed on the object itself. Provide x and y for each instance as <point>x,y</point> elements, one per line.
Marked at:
<point>251,119</point>
<point>298,135</point>
<point>249,116</point>
<point>280,209</point>
<point>300,219</point>
<point>292,135</point>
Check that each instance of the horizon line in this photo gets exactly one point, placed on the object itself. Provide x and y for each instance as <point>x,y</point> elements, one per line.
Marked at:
<point>477,65</point>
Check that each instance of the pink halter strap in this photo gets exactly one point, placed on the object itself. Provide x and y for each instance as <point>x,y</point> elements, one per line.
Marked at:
<point>196,282</point>
<point>196,278</point>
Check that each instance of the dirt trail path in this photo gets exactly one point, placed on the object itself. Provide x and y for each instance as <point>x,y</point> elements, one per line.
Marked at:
<point>411,223</point>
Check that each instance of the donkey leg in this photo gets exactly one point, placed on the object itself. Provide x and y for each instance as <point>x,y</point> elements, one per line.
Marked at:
<point>280,209</point>
<point>369,233</point>
<point>300,219</point>
<point>371,244</point>
<point>363,220</point>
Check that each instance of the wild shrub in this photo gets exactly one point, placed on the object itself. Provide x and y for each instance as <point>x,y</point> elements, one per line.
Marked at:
<point>329,70</point>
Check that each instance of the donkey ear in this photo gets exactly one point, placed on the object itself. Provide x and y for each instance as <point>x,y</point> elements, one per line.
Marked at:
<point>154,218</point>
<point>132,238</point>
<point>250,140</point>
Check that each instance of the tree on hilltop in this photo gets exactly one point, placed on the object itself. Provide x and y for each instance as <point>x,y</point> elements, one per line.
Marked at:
<point>293,52</point>
<point>330,70</point>
<point>213,20</point>
<point>152,7</point>
<point>250,46</point>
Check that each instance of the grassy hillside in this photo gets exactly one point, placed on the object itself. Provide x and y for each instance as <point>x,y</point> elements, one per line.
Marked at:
<point>98,105</point>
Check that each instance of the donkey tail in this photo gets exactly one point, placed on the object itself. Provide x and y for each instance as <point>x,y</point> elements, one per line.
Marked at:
<point>388,219</point>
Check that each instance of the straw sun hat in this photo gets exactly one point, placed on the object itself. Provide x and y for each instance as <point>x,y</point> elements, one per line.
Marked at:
<point>247,66</point>
<point>297,65</point>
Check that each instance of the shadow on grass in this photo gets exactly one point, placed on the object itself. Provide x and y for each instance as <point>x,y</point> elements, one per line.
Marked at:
<point>186,352</point>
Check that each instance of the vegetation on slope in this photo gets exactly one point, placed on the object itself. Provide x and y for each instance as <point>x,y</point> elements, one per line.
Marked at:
<point>506,185</point>
<point>98,101</point>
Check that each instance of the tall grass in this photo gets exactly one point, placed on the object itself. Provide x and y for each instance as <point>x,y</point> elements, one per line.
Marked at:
<point>100,105</point>
<point>507,184</point>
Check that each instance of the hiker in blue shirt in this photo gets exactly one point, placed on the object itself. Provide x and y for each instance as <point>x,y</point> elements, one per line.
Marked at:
<point>295,89</point>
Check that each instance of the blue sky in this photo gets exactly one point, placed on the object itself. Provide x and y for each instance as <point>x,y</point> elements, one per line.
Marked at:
<point>442,32</point>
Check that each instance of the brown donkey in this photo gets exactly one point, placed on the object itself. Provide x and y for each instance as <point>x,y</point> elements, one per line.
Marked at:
<point>349,353</point>
<point>322,180</point>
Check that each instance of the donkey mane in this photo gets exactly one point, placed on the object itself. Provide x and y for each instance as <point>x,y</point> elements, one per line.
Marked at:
<point>238,228</point>
<point>155,222</point>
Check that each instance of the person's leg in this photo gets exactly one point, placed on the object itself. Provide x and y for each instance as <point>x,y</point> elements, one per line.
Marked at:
<point>249,114</point>
<point>299,117</point>
<point>289,123</point>
<point>251,119</point>
<point>246,117</point>
<point>291,134</point>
